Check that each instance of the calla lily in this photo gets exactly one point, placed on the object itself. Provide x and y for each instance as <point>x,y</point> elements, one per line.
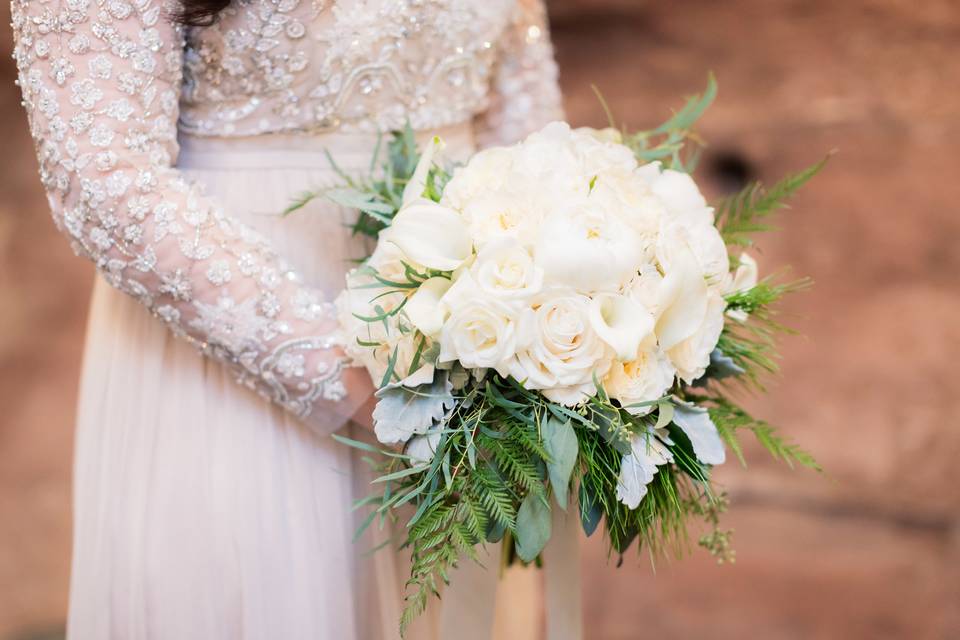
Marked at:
<point>621,322</point>
<point>418,182</point>
<point>681,301</point>
<point>424,308</point>
<point>431,235</point>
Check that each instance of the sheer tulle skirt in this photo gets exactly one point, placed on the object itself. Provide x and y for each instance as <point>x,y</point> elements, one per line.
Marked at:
<point>201,511</point>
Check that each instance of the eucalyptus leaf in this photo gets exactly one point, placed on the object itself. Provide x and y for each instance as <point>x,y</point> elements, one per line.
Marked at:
<point>495,531</point>
<point>356,199</point>
<point>560,442</point>
<point>533,527</point>
<point>721,366</point>
<point>611,428</point>
<point>402,412</point>
<point>590,511</point>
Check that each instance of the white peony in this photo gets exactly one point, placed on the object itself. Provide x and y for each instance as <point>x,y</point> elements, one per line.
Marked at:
<point>482,330</point>
<point>505,269</point>
<point>508,213</point>
<point>628,198</point>
<point>644,379</point>
<point>548,159</point>
<point>487,171</point>
<point>560,353</point>
<point>430,234</point>
<point>588,249</point>
<point>679,193</point>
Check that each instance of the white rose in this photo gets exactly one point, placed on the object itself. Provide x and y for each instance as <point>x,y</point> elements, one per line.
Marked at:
<point>481,331</point>
<point>560,352</point>
<point>692,356</point>
<point>645,379</point>
<point>621,322</point>
<point>588,249</point>
<point>505,269</point>
<point>430,234</point>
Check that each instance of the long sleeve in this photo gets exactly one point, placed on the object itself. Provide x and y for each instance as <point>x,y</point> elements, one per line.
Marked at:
<point>525,89</point>
<point>101,82</point>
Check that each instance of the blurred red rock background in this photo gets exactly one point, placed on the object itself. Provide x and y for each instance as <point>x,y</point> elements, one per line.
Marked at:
<point>869,550</point>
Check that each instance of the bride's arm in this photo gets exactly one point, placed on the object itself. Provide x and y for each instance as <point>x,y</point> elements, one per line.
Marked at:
<point>101,82</point>
<point>525,94</point>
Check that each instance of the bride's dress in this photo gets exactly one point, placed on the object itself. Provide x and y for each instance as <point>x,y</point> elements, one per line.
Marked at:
<point>209,500</point>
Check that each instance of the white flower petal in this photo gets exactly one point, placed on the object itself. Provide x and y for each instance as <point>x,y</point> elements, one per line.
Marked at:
<point>638,468</point>
<point>422,448</point>
<point>424,307</point>
<point>681,300</point>
<point>418,182</point>
<point>430,234</point>
<point>621,322</point>
<point>703,434</point>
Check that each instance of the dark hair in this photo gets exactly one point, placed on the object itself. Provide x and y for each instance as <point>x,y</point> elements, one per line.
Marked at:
<point>200,13</point>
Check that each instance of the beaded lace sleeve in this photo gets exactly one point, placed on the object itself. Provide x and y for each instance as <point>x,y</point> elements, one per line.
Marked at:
<point>100,82</point>
<point>526,92</point>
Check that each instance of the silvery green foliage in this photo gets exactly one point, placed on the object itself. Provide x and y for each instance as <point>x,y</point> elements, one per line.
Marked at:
<point>421,448</point>
<point>638,467</point>
<point>533,527</point>
<point>560,442</point>
<point>721,366</point>
<point>402,412</point>
<point>697,425</point>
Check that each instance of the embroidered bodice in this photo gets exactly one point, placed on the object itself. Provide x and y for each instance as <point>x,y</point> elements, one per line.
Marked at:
<point>108,83</point>
<point>362,65</point>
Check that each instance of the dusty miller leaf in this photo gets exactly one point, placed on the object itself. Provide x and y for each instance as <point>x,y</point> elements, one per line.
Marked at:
<point>402,412</point>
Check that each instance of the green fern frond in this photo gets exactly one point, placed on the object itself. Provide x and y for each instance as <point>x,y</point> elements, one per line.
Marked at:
<point>744,213</point>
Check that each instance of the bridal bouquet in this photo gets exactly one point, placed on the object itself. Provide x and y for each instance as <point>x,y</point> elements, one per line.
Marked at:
<point>557,325</point>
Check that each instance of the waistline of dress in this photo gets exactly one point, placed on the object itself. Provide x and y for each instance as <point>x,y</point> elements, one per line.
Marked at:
<point>351,151</point>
